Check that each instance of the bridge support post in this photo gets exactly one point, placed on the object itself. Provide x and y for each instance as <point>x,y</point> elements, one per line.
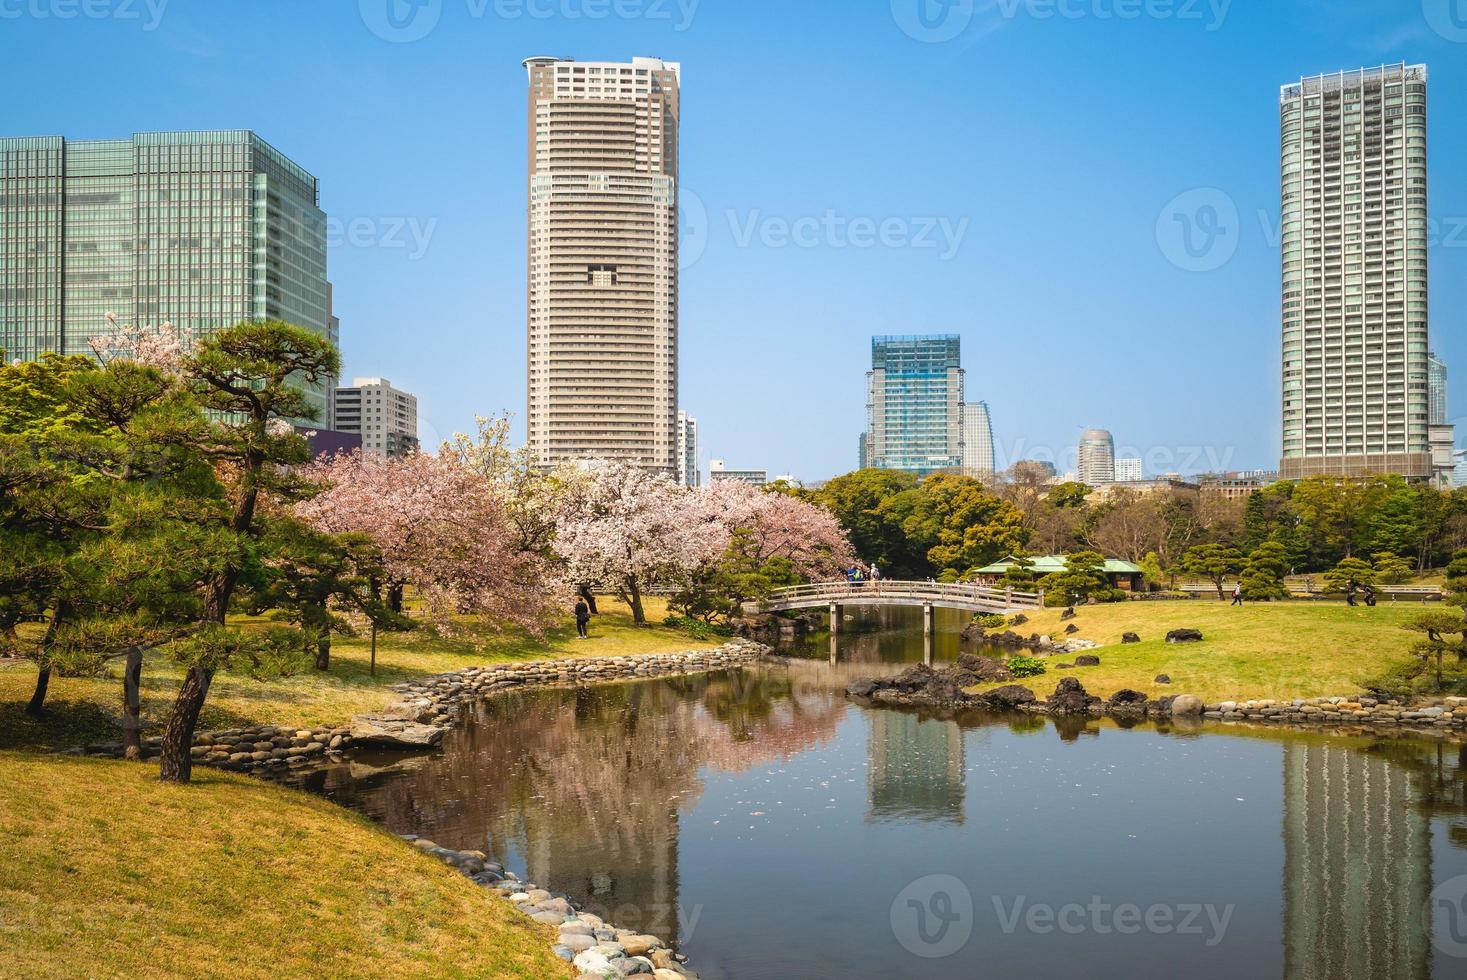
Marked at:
<point>836,615</point>
<point>928,617</point>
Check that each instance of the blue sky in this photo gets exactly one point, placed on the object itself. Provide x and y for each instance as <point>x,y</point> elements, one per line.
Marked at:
<point>1008,170</point>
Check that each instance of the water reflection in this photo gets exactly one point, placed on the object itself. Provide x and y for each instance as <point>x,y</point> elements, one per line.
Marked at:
<point>766,823</point>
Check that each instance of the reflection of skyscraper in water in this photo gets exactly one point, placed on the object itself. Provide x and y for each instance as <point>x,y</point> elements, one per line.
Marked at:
<point>914,767</point>
<point>1357,867</point>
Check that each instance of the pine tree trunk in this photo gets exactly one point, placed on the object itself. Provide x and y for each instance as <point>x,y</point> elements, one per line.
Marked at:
<point>132,705</point>
<point>38,699</point>
<point>178,737</point>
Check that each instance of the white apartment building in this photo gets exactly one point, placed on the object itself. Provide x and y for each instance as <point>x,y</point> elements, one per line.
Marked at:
<point>1097,458</point>
<point>1128,469</point>
<point>687,450</point>
<point>977,425</point>
<point>385,418</point>
<point>603,261</point>
<point>1355,324</point>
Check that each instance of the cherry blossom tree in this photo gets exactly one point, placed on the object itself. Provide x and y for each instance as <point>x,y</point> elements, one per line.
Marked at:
<point>632,530</point>
<point>163,347</point>
<point>441,527</point>
<point>779,525</point>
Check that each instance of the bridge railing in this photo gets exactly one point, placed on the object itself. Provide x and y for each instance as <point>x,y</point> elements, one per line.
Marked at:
<point>937,592</point>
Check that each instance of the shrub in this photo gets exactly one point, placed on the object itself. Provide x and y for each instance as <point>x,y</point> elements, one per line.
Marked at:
<point>697,628</point>
<point>1113,595</point>
<point>1026,666</point>
<point>991,621</point>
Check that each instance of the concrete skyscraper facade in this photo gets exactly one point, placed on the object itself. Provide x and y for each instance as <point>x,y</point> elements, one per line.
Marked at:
<point>978,452</point>
<point>687,450</point>
<point>199,229</point>
<point>1355,324</point>
<point>385,418</point>
<point>914,399</point>
<point>1097,458</point>
<point>603,261</point>
<point>1436,388</point>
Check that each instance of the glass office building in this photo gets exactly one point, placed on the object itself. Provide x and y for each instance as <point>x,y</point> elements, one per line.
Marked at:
<point>200,229</point>
<point>914,399</point>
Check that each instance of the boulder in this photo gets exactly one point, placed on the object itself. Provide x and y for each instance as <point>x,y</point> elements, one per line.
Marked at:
<point>1184,636</point>
<point>972,633</point>
<point>984,670</point>
<point>1070,698</point>
<point>861,688</point>
<point>385,729</point>
<point>1130,638</point>
<point>1069,613</point>
<point>1071,629</point>
<point>1186,705</point>
<point>1019,620</point>
<point>1087,660</point>
<point>1127,697</point>
<point>1009,696</point>
<point>1163,678</point>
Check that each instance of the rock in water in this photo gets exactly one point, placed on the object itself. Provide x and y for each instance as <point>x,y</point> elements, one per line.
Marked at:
<point>394,730</point>
<point>1186,705</point>
<point>1009,696</point>
<point>1184,636</point>
<point>1070,698</point>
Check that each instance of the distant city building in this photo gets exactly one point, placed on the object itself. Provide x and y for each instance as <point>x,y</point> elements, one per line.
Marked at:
<point>865,452</point>
<point>199,229</point>
<point>1459,468</point>
<point>914,397</point>
<point>977,434</point>
<point>1127,469</point>
<point>603,261</point>
<point>1436,389</point>
<point>385,418</point>
<point>687,450</point>
<point>1356,373</point>
<point>1235,486</point>
<point>1143,488</point>
<point>330,442</point>
<point>1097,460</point>
<point>717,471</point>
<point>333,333</point>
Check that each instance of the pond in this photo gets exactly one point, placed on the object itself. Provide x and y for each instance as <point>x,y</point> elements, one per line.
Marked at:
<point>772,828</point>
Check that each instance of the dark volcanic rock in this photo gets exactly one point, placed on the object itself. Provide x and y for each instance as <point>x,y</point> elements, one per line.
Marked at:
<point>1163,678</point>
<point>1019,620</point>
<point>1184,636</point>
<point>972,633</point>
<point>1069,613</point>
<point>1130,638</point>
<point>1087,660</point>
<point>1127,701</point>
<point>861,689</point>
<point>984,670</point>
<point>1072,629</point>
<point>1070,698</point>
<point>1008,697</point>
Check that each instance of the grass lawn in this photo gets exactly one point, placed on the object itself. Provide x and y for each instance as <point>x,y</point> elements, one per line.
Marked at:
<point>105,871</point>
<point>1259,650</point>
<point>81,710</point>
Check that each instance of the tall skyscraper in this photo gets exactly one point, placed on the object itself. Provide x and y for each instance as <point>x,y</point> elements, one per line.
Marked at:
<point>1436,388</point>
<point>1355,328</point>
<point>1097,459</point>
<point>385,418</point>
<point>687,450</point>
<point>200,229</point>
<point>603,261</point>
<point>914,398</point>
<point>977,439</point>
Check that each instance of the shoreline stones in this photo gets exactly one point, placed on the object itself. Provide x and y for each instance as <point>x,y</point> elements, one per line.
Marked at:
<point>263,747</point>
<point>590,944</point>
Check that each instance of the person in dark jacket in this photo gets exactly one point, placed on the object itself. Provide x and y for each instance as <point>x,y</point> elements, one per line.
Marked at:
<point>583,619</point>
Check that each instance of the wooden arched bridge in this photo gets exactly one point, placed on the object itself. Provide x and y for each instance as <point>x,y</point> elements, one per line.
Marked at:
<point>926,595</point>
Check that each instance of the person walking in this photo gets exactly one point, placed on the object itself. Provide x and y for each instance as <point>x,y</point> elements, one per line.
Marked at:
<point>875,577</point>
<point>1238,594</point>
<point>583,620</point>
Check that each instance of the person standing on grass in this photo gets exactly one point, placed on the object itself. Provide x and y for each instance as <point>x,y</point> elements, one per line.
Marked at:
<point>583,619</point>
<point>1238,594</point>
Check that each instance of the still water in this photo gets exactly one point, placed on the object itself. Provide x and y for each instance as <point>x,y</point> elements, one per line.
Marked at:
<point>772,828</point>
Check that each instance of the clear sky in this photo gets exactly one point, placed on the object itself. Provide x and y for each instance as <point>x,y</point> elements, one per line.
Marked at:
<point>1013,171</point>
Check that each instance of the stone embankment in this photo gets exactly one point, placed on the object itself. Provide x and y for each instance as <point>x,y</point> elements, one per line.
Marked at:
<point>592,946</point>
<point>924,687</point>
<point>262,747</point>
